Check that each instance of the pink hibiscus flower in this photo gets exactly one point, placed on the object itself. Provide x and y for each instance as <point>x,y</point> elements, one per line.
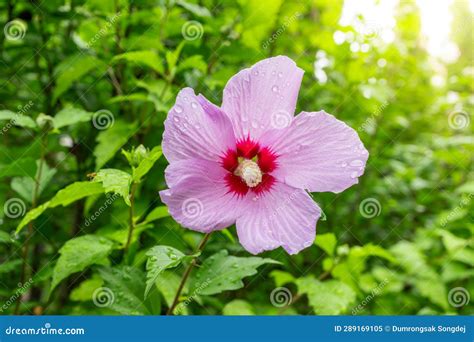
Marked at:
<point>251,162</point>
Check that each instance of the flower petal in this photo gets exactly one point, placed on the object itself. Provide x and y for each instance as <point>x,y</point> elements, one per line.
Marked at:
<point>284,216</point>
<point>263,96</point>
<point>199,198</point>
<point>195,128</point>
<point>318,153</point>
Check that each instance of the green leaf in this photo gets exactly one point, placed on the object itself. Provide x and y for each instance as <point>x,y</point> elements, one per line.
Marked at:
<point>25,186</point>
<point>64,197</point>
<point>327,242</point>
<point>5,237</point>
<point>126,285</point>
<point>70,116</point>
<point>157,213</point>
<point>222,272</point>
<point>85,291</point>
<point>111,140</point>
<point>116,181</point>
<point>281,278</point>
<point>147,163</point>
<point>332,297</point>
<point>144,57</point>
<point>161,258</point>
<point>79,253</point>
<point>238,307</point>
<point>10,266</point>
<point>20,167</point>
<point>72,70</point>
<point>17,119</point>
<point>194,9</point>
<point>168,283</point>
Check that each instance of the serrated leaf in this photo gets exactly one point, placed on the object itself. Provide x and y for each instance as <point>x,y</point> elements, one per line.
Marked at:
<point>111,140</point>
<point>222,272</point>
<point>70,116</point>
<point>161,258</point>
<point>144,57</point>
<point>17,119</point>
<point>64,197</point>
<point>147,163</point>
<point>332,297</point>
<point>327,242</point>
<point>116,181</point>
<point>126,285</point>
<point>79,253</point>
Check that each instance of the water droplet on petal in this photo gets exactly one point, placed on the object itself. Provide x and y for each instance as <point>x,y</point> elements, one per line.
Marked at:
<point>254,124</point>
<point>178,109</point>
<point>344,164</point>
<point>354,175</point>
<point>176,119</point>
<point>275,89</point>
<point>357,162</point>
<point>194,104</point>
<point>280,74</point>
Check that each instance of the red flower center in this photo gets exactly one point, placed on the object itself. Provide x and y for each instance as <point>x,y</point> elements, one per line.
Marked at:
<point>249,167</point>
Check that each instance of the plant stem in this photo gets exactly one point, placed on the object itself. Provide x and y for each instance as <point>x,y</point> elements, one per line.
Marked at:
<point>131,214</point>
<point>187,273</point>
<point>26,247</point>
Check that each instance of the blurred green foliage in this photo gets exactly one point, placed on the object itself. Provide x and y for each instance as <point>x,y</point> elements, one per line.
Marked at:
<point>83,80</point>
